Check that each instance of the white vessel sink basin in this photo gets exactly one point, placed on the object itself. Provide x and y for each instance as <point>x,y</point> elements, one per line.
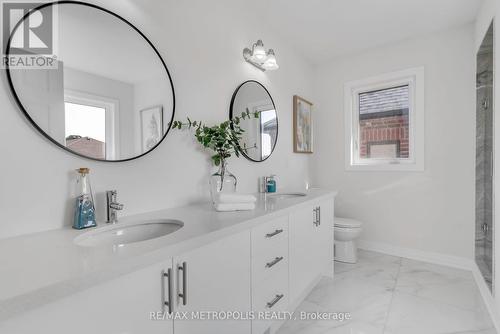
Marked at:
<point>117,235</point>
<point>286,195</point>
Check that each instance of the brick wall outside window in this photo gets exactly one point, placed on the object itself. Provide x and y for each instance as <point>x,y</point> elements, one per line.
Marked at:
<point>385,130</point>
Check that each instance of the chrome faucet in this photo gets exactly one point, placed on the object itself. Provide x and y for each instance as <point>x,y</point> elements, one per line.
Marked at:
<point>112,206</point>
<point>265,182</point>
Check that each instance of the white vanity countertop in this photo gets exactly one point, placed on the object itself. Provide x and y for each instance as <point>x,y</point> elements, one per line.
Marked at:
<point>40,268</point>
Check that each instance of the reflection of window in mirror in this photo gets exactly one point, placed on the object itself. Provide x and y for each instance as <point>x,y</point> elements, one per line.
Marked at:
<point>85,128</point>
<point>90,125</point>
<point>268,126</point>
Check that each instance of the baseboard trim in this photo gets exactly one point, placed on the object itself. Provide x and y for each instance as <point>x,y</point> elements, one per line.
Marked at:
<point>419,255</point>
<point>444,260</point>
<point>487,296</point>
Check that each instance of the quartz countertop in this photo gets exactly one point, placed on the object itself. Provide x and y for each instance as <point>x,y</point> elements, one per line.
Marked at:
<point>43,267</point>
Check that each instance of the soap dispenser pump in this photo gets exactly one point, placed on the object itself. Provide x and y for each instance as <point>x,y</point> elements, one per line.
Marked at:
<point>84,207</point>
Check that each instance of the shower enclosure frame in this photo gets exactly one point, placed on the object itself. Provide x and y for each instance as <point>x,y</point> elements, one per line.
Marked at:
<point>484,236</point>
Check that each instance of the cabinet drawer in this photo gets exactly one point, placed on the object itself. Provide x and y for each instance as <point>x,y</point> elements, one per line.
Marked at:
<point>268,288</point>
<point>269,238</point>
<point>275,263</point>
<point>272,300</point>
<point>270,296</point>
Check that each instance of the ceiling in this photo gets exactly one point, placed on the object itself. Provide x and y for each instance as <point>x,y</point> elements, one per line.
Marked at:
<point>321,30</point>
<point>324,29</point>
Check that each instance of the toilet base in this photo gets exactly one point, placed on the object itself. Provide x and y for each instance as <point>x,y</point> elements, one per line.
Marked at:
<point>346,251</point>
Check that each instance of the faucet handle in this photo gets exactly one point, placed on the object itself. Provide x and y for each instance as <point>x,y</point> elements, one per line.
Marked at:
<point>116,206</point>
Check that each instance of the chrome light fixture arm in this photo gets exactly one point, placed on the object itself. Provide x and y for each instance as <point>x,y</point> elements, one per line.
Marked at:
<point>258,57</point>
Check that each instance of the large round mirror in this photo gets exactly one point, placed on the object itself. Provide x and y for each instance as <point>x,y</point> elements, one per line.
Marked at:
<point>261,133</point>
<point>103,91</point>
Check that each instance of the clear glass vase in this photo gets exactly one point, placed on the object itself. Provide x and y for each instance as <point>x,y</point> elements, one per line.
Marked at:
<point>222,181</point>
<point>84,215</point>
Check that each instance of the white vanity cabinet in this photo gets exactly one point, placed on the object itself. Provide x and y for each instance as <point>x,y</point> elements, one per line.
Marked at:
<point>311,246</point>
<point>215,278</point>
<point>325,251</point>
<point>122,305</point>
<point>270,258</point>
<point>289,255</point>
<point>266,268</point>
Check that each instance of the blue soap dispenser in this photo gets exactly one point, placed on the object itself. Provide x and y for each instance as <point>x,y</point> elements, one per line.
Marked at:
<point>271,184</point>
<point>84,206</point>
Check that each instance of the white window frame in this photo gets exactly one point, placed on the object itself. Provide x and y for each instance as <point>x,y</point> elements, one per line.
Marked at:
<point>112,117</point>
<point>414,78</point>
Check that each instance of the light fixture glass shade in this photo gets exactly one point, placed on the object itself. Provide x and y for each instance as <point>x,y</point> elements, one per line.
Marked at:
<point>259,53</point>
<point>270,63</point>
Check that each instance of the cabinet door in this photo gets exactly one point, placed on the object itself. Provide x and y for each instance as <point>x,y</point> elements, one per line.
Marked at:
<point>214,278</point>
<point>123,305</point>
<point>303,251</point>
<point>325,237</point>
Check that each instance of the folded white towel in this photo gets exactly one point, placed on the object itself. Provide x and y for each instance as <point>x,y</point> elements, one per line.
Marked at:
<point>236,198</point>
<point>234,206</point>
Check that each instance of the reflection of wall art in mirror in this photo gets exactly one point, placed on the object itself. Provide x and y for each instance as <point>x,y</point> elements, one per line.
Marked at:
<point>302,125</point>
<point>151,127</point>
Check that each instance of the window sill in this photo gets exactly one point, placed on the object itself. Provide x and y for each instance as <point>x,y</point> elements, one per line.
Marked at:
<point>385,167</point>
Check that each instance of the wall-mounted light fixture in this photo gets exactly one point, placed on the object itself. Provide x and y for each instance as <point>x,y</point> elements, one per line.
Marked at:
<point>258,57</point>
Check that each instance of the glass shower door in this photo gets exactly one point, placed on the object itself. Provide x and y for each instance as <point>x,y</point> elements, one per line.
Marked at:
<point>484,158</point>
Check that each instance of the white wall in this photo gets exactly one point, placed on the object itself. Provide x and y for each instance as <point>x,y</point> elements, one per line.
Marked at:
<point>202,43</point>
<point>432,210</point>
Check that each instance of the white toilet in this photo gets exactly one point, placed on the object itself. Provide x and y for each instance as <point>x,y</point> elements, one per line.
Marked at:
<point>346,233</point>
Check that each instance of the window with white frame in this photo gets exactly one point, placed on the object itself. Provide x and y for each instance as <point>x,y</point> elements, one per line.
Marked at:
<point>91,124</point>
<point>385,122</point>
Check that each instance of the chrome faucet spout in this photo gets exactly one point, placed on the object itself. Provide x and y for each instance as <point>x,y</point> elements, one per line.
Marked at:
<point>266,181</point>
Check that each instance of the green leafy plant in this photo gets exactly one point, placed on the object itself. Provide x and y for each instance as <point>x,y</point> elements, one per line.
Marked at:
<point>222,139</point>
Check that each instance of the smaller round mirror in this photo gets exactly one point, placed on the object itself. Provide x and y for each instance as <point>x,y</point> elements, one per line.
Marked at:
<point>261,133</point>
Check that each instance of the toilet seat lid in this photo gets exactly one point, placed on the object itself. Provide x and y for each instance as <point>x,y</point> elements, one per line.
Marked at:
<point>346,222</point>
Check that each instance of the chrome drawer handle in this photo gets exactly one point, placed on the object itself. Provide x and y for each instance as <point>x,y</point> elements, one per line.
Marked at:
<point>315,216</point>
<point>270,235</point>
<point>183,294</point>
<point>168,302</point>
<point>275,301</point>
<point>273,262</point>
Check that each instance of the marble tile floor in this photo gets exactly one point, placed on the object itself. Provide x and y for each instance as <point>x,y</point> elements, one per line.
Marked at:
<point>390,295</point>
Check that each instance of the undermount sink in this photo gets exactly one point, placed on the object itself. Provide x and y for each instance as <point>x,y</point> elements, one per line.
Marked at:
<point>286,195</point>
<point>118,235</point>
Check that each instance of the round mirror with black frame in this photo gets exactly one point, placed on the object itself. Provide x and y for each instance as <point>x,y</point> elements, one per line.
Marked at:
<point>97,88</point>
<point>260,133</point>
